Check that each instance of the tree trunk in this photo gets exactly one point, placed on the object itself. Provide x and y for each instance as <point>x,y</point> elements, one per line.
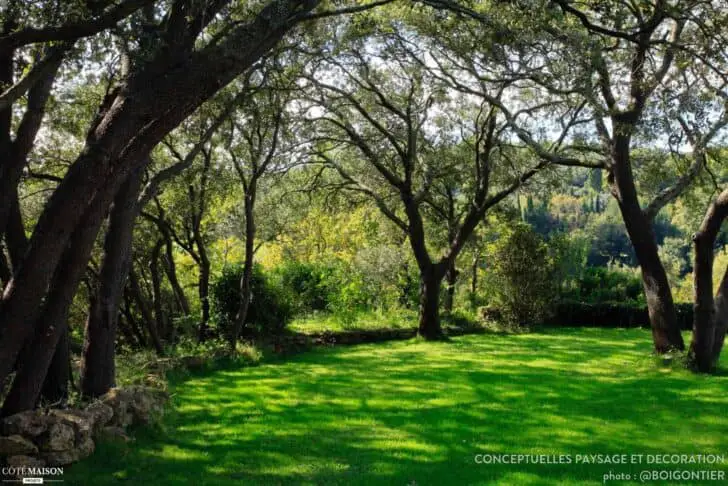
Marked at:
<point>98,371</point>
<point>147,316</point>
<point>55,386</point>
<point>203,289</point>
<point>133,324</point>
<point>52,322</point>
<point>474,278</point>
<point>245,290</point>
<point>429,323</point>
<point>450,279</point>
<point>157,299</point>
<point>663,318</point>
<point>721,319</point>
<point>15,237</point>
<point>5,274</point>
<point>125,327</point>
<point>132,120</point>
<point>702,355</point>
<point>170,270</point>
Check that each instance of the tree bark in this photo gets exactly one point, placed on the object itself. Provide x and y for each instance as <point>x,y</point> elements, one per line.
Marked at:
<point>706,328</point>
<point>5,273</point>
<point>663,318</point>
<point>203,290</point>
<point>157,299</point>
<point>429,322</point>
<point>721,318</point>
<point>474,277</point>
<point>131,121</point>
<point>133,324</point>
<point>245,290</point>
<point>147,316</point>
<point>52,323</point>
<point>170,270</point>
<point>55,386</point>
<point>450,279</point>
<point>98,371</point>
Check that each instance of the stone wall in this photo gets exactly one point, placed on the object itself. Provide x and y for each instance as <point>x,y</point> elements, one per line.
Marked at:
<point>53,437</point>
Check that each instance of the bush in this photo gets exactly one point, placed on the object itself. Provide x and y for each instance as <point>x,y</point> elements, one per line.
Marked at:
<point>310,284</point>
<point>612,315</point>
<point>599,284</point>
<point>522,276</point>
<point>270,308</point>
<point>377,278</point>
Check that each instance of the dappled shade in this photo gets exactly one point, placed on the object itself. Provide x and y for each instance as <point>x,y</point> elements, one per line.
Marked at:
<point>417,413</point>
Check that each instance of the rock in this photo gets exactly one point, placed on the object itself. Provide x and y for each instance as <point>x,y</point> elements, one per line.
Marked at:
<point>60,437</point>
<point>118,399</point>
<point>85,448</point>
<point>137,404</point>
<point>78,420</point>
<point>25,461</point>
<point>31,423</point>
<point>114,433</point>
<point>100,414</point>
<point>62,458</point>
<point>15,445</point>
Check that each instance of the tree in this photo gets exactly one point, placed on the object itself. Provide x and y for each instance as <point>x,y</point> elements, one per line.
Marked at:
<point>173,70</point>
<point>259,134</point>
<point>376,132</point>
<point>625,64</point>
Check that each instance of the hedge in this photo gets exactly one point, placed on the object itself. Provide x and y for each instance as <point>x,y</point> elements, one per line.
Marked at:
<point>612,315</point>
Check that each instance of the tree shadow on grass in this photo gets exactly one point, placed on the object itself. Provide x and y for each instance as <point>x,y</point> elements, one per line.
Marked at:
<point>418,413</point>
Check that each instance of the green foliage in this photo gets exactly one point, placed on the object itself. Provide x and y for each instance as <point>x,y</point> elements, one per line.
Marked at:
<point>270,308</point>
<point>377,278</point>
<point>522,276</point>
<point>309,284</point>
<point>599,284</point>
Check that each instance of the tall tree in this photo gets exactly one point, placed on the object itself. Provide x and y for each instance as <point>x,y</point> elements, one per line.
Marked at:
<point>385,113</point>
<point>174,69</point>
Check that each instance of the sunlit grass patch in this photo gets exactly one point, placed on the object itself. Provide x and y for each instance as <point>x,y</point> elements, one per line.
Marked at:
<point>413,412</point>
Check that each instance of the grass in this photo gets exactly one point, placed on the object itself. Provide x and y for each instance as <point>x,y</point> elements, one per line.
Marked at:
<point>417,413</point>
<point>361,321</point>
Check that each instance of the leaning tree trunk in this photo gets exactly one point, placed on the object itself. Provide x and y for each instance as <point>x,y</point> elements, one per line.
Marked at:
<point>132,120</point>
<point>245,290</point>
<point>53,318</point>
<point>55,386</point>
<point>429,320</point>
<point>663,318</point>
<point>707,323</point>
<point>98,371</point>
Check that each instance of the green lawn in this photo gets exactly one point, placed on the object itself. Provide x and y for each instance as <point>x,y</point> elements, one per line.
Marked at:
<point>416,413</point>
<point>357,321</point>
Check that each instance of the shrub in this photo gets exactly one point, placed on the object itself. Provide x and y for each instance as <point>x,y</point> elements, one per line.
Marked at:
<point>599,284</point>
<point>522,276</point>
<point>612,314</point>
<point>270,308</point>
<point>310,284</point>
